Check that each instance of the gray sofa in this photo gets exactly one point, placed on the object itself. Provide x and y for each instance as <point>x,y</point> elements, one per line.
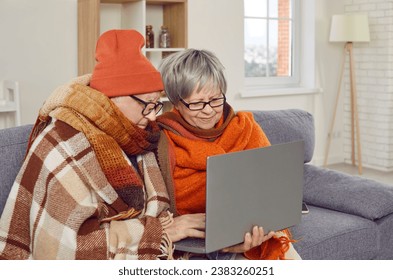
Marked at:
<point>350,217</point>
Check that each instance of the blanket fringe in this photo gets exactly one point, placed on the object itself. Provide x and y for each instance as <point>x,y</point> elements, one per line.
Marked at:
<point>167,248</point>
<point>129,214</point>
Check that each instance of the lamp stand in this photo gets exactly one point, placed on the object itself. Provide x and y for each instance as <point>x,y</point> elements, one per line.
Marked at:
<point>354,110</point>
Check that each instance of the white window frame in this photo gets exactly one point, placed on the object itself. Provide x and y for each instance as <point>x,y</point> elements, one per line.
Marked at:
<point>302,80</point>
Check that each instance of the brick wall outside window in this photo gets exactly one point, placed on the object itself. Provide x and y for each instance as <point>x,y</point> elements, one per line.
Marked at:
<point>283,51</point>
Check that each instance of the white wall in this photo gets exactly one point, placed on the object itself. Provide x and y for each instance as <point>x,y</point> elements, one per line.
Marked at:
<point>39,48</point>
<point>374,83</point>
<point>328,59</point>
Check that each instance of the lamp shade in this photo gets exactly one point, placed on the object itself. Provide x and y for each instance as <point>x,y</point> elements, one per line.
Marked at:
<point>349,28</point>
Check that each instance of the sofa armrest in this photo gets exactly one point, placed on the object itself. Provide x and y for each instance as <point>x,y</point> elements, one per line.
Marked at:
<point>346,193</point>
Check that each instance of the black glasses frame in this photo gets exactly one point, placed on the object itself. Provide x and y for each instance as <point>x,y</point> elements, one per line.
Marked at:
<point>157,106</point>
<point>204,103</point>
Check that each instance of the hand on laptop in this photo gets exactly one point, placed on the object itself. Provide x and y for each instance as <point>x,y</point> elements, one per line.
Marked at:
<point>190,225</point>
<point>250,241</point>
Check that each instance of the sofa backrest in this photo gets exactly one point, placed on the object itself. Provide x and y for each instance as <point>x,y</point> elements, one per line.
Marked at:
<point>282,126</point>
<point>13,144</point>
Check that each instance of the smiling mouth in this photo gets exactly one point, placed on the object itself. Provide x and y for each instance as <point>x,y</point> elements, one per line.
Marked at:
<point>207,119</point>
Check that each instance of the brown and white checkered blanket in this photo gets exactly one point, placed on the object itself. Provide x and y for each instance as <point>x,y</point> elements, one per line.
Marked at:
<point>61,205</point>
<point>60,219</point>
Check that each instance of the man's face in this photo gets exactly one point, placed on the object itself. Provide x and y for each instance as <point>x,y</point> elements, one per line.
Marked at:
<point>132,108</point>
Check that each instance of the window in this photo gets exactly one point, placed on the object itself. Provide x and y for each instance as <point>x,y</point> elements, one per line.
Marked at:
<point>271,43</point>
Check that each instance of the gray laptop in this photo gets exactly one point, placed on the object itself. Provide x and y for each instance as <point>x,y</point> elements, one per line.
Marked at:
<point>262,186</point>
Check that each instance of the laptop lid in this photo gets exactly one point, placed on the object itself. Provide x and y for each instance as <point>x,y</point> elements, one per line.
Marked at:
<point>262,186</point>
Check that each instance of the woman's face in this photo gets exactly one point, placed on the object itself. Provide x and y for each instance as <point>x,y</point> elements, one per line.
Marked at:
<point>132,108</point>
<point>208,116</point>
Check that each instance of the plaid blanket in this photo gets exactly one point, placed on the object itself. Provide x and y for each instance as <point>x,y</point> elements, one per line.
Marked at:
<point>61,205</point>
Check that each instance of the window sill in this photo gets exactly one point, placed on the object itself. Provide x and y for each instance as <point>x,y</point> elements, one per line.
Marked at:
<point>271,92</point>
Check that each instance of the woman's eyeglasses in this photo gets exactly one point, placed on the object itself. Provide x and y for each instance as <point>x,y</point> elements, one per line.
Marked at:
<point>198,106</point>
<point>149,106</point>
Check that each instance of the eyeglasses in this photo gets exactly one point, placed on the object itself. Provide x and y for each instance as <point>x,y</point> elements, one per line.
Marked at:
<point>149,106</point>
<point>198,106</point>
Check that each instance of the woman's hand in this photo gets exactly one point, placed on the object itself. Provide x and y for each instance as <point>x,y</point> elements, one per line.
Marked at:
<point>250,241</point>
<point>190,225</point>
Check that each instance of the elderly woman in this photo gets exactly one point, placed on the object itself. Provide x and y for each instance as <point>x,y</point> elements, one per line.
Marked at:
<point>90,186</point>
<point>202,124</point>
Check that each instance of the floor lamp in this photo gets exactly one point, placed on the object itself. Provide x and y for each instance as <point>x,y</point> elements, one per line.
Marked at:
<point>349,28</point>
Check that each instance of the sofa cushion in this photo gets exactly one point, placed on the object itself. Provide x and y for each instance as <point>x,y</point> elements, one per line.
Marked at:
<point>385,226</point>
<point>346,193</point>
<point>13,144</point>
<point>282,126</point>
<point>327,234</point>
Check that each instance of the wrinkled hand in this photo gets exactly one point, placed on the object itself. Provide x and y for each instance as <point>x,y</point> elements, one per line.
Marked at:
<point>250,241</point>
<point>190,225</point>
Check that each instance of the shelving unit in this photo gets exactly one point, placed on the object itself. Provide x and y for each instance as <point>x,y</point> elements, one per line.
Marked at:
<point>132,14</point>
<point>9,103</point>
<point>156,54</point>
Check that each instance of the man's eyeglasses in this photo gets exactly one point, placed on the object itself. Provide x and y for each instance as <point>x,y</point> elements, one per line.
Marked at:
<point>149,106</point>
<point>198,106</point>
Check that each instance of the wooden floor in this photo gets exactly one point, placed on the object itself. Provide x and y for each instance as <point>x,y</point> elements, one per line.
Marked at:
<point>384,177</point>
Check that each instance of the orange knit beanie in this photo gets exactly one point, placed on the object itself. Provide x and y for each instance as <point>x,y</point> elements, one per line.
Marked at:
<point>121,67</point>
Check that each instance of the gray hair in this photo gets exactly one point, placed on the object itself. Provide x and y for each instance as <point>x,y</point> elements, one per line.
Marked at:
<point>185,71</point>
